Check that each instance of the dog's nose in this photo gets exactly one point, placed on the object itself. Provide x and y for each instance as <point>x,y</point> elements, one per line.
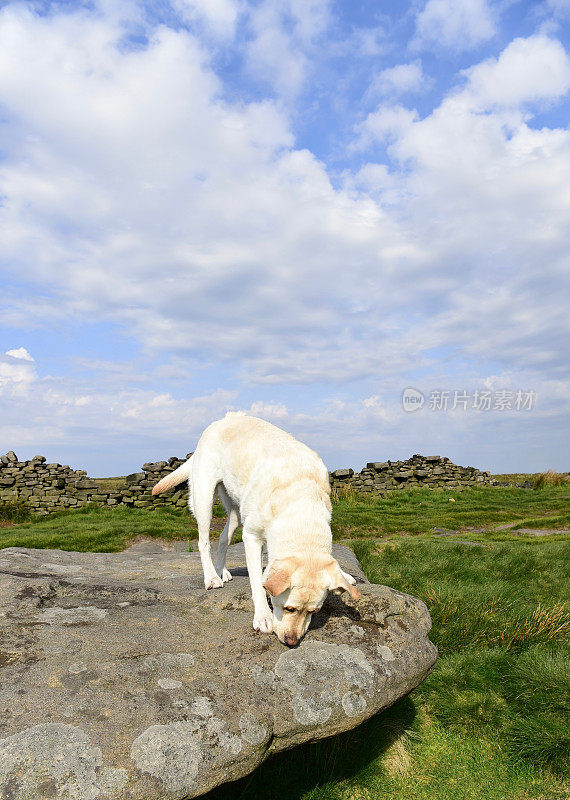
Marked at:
<point>292,641</point>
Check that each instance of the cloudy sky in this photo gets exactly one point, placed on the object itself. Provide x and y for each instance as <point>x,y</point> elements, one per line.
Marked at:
<point>298,208</point>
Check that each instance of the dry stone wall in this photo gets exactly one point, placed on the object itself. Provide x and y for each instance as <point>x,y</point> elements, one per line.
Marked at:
<point>51,487</point>
<point>417,471</point>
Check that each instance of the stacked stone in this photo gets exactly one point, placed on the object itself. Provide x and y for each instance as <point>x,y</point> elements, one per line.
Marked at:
<point>417,471</point>
<point>141,484</point>
<point>45,488</point>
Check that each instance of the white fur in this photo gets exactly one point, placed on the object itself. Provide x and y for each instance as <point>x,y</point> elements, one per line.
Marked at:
<point>277,487</point>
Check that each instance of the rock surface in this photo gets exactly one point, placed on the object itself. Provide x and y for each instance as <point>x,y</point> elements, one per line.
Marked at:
<point>122,678</point>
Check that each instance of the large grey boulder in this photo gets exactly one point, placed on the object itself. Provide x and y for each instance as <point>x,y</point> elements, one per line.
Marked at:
<point>121,677</point>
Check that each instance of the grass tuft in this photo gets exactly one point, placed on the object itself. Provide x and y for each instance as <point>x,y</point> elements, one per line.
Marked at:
<point>543,624</point>
<point>541,679</point>
<point>551,478</point>
<point>347,494</point>
<point>543,738</point>
<point>14,511</point>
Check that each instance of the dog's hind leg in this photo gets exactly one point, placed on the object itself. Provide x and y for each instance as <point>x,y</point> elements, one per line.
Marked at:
<point>203,487</point>
<point>226,535</point>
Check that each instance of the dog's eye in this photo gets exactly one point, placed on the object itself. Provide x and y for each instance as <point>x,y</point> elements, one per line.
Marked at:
<point>290,610</point>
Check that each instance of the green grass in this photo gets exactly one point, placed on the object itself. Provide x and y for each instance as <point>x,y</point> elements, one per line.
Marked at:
<point>551,521</point>
<point>421,510</point>
<point>492,722</point>
<point>517,477</point>
<point>95,529</point>
<point>537,479</point>
<point>14,511</point>
<point>552,478</point>
<point>496,596</point>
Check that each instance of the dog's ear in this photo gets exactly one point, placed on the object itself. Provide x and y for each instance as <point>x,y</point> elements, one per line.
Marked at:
<point>277,577</point>
<point>339,584</point>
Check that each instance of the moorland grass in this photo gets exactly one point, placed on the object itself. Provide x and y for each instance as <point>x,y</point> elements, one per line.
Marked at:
<point>551,478</point>
<point>421,510</point>
<point>492,721</point>
<point>95,529</point>
<point>561,520</point>
<point>14,511</point>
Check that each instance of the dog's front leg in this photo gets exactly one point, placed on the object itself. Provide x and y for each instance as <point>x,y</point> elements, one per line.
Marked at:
<point>348,578</point>
<point>263,616</point>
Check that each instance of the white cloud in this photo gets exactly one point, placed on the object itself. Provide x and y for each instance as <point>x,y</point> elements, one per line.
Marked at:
<point>137,195</point>
<point>455,25</point>
<point>528,70</point>
<point>488,197</point>
<point>220,16</point>
<point>310,17</point>
<point>269,411</point>
<point>387,123</point>
<point>55,408</point>
<point>284,36</point>
<point>398,80</point>
<point>20,352</point>
<point>17,374</point>
<point>367,42</point>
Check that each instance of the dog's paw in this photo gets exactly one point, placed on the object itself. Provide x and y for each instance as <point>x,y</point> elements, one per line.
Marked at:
<point>226,575</point>
<point>213,583</point>
<point>349,578</point>
<point>263,622</point>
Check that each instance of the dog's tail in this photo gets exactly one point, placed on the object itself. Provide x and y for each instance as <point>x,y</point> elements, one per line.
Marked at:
<point>176,477</point>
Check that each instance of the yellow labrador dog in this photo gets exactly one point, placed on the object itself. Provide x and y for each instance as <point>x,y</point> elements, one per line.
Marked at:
<point>278,489</point>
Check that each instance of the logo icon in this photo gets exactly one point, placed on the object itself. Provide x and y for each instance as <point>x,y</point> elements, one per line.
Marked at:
<point>412,399</point>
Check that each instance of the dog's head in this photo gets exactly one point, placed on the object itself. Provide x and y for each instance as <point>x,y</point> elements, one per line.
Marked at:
<point>298,589</point>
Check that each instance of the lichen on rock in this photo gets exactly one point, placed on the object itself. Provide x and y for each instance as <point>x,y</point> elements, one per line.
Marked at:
<point>61,756</point>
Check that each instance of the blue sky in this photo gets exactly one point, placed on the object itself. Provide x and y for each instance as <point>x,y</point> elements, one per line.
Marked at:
<point>298,208</point>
